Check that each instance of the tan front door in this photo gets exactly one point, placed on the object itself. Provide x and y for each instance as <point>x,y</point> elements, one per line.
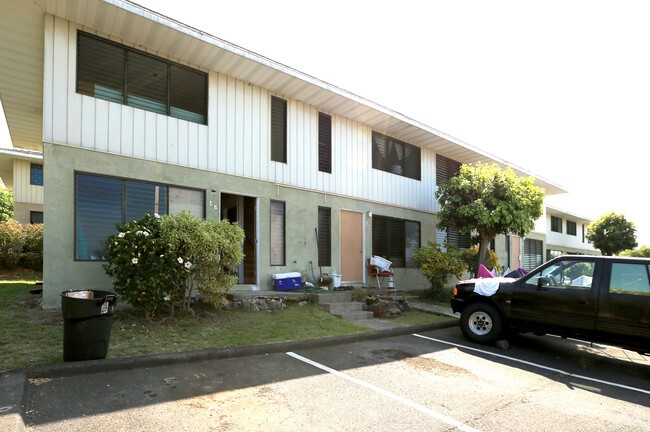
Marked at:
<point>351,246</point>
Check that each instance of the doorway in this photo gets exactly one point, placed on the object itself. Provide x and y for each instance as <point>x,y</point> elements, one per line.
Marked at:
<point>352,246</point>
<point>243,210</point>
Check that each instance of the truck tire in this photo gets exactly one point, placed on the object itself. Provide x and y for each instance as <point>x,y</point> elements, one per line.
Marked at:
<point>481,323</point>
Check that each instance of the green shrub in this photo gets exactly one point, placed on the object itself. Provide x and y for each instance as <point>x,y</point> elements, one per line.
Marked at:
<point>11,244</point>
<point>470,257</point>
<point>210,250</point>
<point>33,238</point>
<point>143,269</point>
<point>439,265</point>
<point>6,204</point>
<point>32,260</point>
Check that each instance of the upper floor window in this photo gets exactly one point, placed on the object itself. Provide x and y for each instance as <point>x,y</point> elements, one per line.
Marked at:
<point>324,143</point>
<point>571,228</point>
<point>36,174</point>
<point>120,74</point>
<point>556,224</point>
<point>445,169</point>
<point>395,156</point>
<point>278,129</point>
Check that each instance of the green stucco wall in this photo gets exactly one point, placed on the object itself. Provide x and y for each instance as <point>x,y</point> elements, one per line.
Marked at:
<point>62,272</point>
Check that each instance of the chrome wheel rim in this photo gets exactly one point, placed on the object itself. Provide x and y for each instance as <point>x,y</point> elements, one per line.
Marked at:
<point>480,323</point>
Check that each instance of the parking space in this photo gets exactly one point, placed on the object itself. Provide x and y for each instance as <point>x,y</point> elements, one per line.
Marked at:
<point>434,381</point>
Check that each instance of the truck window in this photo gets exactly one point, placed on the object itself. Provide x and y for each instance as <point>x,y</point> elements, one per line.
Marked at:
<point>566,275</point>
<point>629,279</point>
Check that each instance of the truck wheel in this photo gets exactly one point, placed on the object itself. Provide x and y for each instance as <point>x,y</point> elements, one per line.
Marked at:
<point>481,323</point>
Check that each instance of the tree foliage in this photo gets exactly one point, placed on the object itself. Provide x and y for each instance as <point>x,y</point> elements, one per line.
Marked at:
<point>438,263</point>
<point>489,200</point>
<point>612,233</point>
<point>470,258</point>
<point>6,204</point>
<point>642,252</point>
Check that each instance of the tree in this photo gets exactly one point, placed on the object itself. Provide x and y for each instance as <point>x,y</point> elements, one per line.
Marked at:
<point>438,263</point>
<point>6,204</point>
<point>612,234</point>
<point>642,252</point>
<point>489,200</point>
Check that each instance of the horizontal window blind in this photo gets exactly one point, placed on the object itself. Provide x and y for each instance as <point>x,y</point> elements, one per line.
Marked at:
<point>395,156</point>
<point>397,240</point>
<point>277,233</point>
<point>446,169</point>
<point>278,129</point>
<point>533,250</point>
<point>324,143</point>
<point>324,236</point>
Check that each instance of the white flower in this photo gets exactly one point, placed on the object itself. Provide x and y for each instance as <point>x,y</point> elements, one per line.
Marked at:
<point>139,233</point>
<point>121,235</point>
<point>134,261</point>
<point>167,298</point>
<point>146,234</point>
<point>162,256</point>
<point>180,260</point>
<point>115,243</point>
<point>188,265</point>
<point>157,215</point>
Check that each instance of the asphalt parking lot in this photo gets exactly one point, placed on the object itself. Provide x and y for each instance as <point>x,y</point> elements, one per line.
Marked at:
<point>432,381</point>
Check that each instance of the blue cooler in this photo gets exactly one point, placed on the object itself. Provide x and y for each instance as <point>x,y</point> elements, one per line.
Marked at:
<point>286,281</point>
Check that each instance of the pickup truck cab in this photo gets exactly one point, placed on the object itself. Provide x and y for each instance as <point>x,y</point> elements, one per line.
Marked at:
<point>598,299</point>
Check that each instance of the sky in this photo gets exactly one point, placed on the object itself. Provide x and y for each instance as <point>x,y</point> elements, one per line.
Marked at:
<point>558,88</point>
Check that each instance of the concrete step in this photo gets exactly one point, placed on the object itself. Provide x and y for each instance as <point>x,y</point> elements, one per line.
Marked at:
<point>332,297</point>
<point>341,308</point>
<point>356,316</point>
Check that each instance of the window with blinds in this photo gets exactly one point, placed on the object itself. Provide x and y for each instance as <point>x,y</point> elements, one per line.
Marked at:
<point>324,143</point>
<point>533,250</point>
<point>556,224</point>
<point>324,236</point>
<point>397,240</point>
<point>395,156</point>
<point>278,224</point>
<point>571,228</point>
<point>114,72</point>
<point>446,169</point>
<point>100,202</point>
<point>278,129</point>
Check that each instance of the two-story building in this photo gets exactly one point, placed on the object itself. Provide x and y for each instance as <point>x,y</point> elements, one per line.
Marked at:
<point>22,171</point>
<point>135,112</point>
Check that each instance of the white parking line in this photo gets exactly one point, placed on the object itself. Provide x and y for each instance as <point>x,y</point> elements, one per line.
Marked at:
<point>536,365</point>
<point>422,409</point>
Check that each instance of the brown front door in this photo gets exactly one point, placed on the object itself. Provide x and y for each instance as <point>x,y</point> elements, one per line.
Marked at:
<point>351,246</point>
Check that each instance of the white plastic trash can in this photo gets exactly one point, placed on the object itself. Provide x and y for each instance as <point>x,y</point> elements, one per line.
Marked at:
<point>336,280</point>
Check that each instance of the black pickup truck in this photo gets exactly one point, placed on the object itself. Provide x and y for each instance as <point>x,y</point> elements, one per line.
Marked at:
<point>598,299</point>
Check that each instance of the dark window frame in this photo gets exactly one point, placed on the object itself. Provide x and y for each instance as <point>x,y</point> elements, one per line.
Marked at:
<point>279,112</point>
<point>556,224</point>
<point>171,90</point>
<point>283,261</point>
<point>389,239</point>
<point>123,181</point>
<point>571,228</point>
<point>324,143</point>
<point>386,156</point>
<point>33,214</point>
<point>38,181</point>
<point>324,236</point>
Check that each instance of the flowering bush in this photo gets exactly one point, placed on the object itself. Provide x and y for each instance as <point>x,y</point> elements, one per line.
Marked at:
<point>143,269</point>
<point>157,262</point>
<point>208,250</point>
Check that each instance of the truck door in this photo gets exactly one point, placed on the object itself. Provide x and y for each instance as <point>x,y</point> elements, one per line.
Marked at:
<point>560,296</point>
<point>624,310</point>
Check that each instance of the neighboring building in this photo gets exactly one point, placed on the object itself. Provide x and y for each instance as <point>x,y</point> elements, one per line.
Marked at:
<point>22,171</point>
<point>567,234</point>
<point>135,112</point>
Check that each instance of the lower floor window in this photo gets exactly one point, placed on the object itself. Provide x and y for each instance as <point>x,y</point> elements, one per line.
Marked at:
<point>397,240</point>
<point>532,253</point>
<point>35,217</point>
<point>100,202</point>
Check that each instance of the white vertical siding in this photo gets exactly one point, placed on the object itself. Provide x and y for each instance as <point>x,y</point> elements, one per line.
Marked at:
<point>24,191</point>
<point>235,141</point>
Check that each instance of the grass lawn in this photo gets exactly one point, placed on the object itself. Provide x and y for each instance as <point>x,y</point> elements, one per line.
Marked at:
<point>416,318</point>
<point>30,336</point>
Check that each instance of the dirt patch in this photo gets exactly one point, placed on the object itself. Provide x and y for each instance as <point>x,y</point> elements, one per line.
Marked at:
<point>435,367</point>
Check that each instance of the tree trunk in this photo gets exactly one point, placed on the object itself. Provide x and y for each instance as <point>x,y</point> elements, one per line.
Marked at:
<point>483,255</point>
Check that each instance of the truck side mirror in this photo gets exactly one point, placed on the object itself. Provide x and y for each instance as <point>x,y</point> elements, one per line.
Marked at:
<point>542,282</point>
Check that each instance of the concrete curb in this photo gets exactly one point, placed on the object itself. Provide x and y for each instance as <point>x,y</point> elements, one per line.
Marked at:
<point>13,383</point>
